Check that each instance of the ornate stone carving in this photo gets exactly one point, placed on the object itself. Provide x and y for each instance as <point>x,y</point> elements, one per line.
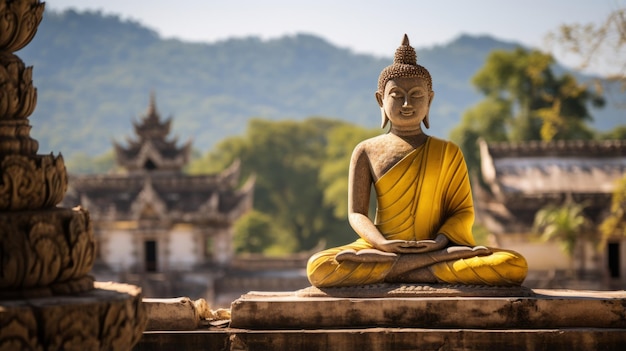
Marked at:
<point>46,253</point>
<point>19,96</point>
<point>414,290</point>
<point>102,319</point>
<point>30,183</point>
<point>40,248</point>
<point>20,20</point>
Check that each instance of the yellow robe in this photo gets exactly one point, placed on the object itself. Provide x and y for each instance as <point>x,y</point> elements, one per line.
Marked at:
<point>426,193</point>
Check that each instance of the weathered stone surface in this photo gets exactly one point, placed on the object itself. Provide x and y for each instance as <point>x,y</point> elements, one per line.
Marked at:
<point>385,339</point>
<point>110,317</point>
<point>544,309</point>
<point>414,290</point>
<point>45,252</point>
<point>171,314</point>
<point>542,320</point>
<point>182,314</point>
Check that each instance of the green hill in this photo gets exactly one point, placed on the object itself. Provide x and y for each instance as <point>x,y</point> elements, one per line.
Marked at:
<point>95,72</point>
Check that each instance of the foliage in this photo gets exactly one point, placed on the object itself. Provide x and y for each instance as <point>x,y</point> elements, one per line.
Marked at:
<point>615,222</point>
<point>287,157</point>
<point>256,232</point>
<point>617,133</point>
<point>565,223</point>
<point>524,100</point>
<point>487,120</point>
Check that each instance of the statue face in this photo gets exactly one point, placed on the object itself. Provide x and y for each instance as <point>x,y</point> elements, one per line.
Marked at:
<point>406,102</point>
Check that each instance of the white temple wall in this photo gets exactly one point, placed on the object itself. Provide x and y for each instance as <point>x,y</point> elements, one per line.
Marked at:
<point>183,250</point>
<point>543,255</point>
<point>119,250</point>
<point>222,246</point>
<point>547,256</point>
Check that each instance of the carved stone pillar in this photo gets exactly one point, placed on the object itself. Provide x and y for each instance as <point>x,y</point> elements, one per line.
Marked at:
<point>48,301</point>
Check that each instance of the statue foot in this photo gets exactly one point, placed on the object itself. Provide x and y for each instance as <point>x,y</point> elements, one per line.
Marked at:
<point>366,255</point>
<point>467,250</point>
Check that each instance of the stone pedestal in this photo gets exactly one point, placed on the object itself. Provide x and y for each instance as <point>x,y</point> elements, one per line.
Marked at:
<point>396,317</point>
<point>409,307</point>
<point>411,317</point>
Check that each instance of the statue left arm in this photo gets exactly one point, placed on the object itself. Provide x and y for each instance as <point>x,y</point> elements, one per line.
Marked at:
<point>457,211</point>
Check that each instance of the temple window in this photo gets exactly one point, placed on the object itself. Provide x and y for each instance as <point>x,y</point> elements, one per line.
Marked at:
<point>150,254</point>
<point>613,259</point>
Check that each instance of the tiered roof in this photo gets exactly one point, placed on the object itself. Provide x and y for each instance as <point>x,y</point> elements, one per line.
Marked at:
<point>154,188</point>
<point>152,151</point>
<point>523,177</point>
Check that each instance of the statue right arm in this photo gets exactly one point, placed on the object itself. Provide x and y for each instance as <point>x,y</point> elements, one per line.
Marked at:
<point>359,186</point>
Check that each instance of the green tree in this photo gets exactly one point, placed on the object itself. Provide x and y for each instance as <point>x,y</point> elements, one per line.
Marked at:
<point>524,100</point>
<point>566,224</point>
<point>257,232</point>
<point>615,223</point>
<point>286,158</point>
<point>616,133</point>
<point>487,120</point>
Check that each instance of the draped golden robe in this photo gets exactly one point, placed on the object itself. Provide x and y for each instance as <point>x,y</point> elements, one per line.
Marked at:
<point>426,193</point>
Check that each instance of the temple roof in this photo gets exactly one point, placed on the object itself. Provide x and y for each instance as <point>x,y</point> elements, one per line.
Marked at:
<point>537,168</point>
<point>523,177</point>
<point>205,199</point>
<point>152,151</point>
<point>154,188</point>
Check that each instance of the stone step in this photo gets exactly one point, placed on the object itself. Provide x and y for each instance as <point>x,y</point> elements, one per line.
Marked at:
<point>411,317</point>
<point>385,339</point>
<point>410,307</point>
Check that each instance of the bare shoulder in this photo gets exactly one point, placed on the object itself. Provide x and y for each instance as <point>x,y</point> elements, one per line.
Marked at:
<point>369,146</point>
<point>372,144</point>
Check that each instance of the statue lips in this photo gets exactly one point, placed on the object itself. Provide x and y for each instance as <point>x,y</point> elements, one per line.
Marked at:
<point>407,113</point>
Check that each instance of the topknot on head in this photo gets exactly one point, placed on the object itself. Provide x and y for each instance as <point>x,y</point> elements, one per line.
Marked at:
<point>404,65</point>
<point>405,54</point>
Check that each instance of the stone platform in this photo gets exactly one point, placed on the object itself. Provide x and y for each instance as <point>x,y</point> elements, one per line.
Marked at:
<point>399,317</point>
<point>430,307</point>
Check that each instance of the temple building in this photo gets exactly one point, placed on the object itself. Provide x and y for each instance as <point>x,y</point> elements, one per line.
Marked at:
<point>155,226</point>
<point>521,178</point>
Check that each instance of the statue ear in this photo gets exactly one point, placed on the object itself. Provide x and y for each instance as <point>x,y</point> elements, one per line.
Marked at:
<point>383,115</point>
<point>426,121</point>
<point>384,118</point>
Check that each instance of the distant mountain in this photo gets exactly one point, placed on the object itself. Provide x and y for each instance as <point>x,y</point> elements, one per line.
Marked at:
<point>95,72</point>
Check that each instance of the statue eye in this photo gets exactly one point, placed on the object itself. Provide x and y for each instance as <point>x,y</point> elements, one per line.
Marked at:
<point>396,95</point>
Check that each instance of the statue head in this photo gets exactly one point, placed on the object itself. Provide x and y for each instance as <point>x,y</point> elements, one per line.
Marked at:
<point>404,66</point>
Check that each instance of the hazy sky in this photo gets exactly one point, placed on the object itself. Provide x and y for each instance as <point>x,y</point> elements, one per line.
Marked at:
<point>365,26</point>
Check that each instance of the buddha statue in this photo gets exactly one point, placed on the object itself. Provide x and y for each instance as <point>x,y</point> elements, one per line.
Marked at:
<point>422,232</point>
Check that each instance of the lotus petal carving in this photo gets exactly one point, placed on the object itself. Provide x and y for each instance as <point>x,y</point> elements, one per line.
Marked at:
<point>30,183</point>
<point>18,96</point>
<point>44,250</point>
<point>19,20</point>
